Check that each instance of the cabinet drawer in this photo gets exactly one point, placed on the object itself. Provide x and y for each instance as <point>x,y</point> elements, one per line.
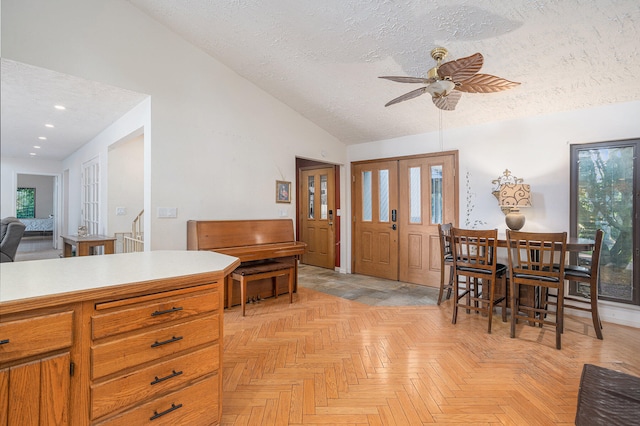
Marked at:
<point>120,354</point>
<point>140,312</point>
<point>37,335</point>
<point>193,405</point>
<point>148,382</point>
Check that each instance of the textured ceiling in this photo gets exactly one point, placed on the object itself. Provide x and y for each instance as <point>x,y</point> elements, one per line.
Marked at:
<point>323,59</point>
<point>28,95</point>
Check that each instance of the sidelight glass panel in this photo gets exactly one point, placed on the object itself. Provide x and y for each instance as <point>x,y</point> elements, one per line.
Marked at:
<point>367,210</point>
<point>605,190</point>
<point>383,176</point>
<point>415,198</point>
<point>436,195</point>
<point>323,197</point>
<point>310,196</point>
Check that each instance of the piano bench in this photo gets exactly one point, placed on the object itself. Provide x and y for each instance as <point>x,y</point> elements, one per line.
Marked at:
<point>257,271</point>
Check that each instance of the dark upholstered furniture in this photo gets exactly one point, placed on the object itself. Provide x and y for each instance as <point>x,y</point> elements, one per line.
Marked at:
<point>607,397</point>
<point>11,233</point>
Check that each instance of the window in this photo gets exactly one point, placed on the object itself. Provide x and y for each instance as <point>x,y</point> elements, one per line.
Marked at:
<point>26,203</point>
<point>605,194</point>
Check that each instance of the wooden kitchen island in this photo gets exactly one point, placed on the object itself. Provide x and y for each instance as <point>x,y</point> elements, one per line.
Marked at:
<point>125,339</point>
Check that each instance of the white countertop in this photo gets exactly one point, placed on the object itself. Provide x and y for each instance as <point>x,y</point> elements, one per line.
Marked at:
<point>37,278</point>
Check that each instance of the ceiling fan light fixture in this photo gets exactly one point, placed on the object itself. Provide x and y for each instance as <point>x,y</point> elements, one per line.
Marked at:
<point>440,88</point>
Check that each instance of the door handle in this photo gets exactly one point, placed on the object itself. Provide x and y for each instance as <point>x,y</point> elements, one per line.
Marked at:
<point>394,226</point>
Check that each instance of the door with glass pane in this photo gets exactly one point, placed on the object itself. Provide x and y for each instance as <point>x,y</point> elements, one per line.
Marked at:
<point>605,194</point>
<point>90,213</point>
<point>375,226</point>
<point>317,189</point>
<point>426,200</point>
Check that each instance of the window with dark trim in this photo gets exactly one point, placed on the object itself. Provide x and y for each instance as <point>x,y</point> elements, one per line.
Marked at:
<point>605,194</point>
<point>26,203</point>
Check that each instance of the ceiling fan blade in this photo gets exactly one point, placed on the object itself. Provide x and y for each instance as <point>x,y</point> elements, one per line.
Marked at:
<point>410,79</point>
<point>412,94</point>
<point>485,83</point>
<point>449,102</point>
<point>461,69</point>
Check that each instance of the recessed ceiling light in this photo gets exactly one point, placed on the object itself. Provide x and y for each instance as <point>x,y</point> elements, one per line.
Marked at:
<point>36,146</point>
<point>32,153</point>
<point>51,126</point>
<point>42,138</point>
<point>60,107</point>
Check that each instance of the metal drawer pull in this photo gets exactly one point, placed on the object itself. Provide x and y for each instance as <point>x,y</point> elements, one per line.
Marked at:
<point>173,339</point>
<point>168,311</point>
<point>162,379</point>
<point>4,341</point>
<point>167,411</point>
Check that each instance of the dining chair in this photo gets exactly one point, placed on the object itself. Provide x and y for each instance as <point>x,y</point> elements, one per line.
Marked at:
<point>476,271</point>
<point>589,275</point>
<point>532,256</point>
<point>446,260</point>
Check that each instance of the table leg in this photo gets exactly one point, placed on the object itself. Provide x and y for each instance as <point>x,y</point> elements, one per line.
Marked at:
<point>67,250</point>
<point>83,249</point>
<point>109,247</point>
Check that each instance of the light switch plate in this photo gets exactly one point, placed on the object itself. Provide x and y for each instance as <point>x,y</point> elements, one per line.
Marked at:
<point>167,212</point>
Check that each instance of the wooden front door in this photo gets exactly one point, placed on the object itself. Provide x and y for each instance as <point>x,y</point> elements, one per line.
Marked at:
<point>397,207</point>
<point>375,225</point>
<point>427,198</point>
<point>317,216</point>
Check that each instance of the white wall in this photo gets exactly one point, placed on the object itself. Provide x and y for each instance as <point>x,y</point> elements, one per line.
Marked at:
<point>125,183</point>
<point>217,143</point>
<point>44,192</point>
<point>9,170</point>
<point>536,149</point>
<point>135,122</point>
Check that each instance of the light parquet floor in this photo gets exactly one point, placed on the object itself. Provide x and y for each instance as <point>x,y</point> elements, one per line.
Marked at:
<point>327,360</point>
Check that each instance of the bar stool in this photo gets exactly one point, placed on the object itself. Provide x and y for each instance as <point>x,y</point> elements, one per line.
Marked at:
<point>474,259</point>
<point>591,276</point>
<point>532,257</point>
<point>446,259</point>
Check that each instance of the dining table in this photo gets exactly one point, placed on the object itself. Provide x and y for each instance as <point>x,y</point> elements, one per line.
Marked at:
<point>574,244</point>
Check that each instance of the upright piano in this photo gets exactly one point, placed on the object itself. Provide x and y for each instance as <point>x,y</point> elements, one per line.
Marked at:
<point>251,241</point>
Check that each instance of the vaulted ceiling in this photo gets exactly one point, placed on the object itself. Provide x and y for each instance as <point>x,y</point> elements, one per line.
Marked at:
<point>323,58</point>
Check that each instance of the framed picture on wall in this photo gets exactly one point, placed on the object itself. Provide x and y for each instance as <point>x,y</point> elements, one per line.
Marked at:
<point>283,191</point>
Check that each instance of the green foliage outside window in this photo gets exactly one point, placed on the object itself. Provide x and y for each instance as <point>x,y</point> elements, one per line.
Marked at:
<point>26,203</point>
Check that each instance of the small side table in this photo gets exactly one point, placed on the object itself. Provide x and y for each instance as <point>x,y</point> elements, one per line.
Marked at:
<point>83,244</point>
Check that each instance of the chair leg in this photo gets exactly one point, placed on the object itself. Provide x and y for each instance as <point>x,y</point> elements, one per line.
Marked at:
<point>441,285</point>
<point>455,300</point>
<point>514,307</point>
<point>503,286</point>
<point>595,316</point>
<point>450,283</point>
<point>559,327</point>
<point>492,289</point>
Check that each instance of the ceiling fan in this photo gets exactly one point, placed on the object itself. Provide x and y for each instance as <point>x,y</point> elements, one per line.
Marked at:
<point>446,82</point>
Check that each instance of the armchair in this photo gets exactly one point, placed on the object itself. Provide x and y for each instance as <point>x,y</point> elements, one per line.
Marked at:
<point>11,231</point>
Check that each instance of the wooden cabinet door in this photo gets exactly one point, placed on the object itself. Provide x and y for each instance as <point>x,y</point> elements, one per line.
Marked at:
<point>36,393</point>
